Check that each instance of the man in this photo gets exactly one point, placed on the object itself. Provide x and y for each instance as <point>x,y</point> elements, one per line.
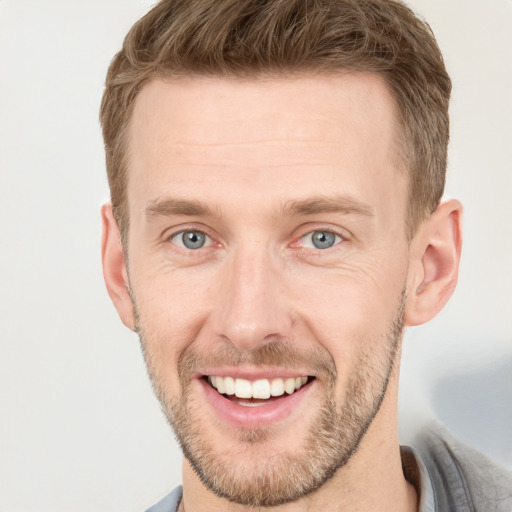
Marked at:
<point>276,170</point>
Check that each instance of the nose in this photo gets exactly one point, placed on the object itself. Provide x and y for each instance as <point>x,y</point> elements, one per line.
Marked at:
<point>252,308</point>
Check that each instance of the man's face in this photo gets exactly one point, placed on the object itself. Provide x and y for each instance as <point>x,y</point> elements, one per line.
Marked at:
<point>267,250</point>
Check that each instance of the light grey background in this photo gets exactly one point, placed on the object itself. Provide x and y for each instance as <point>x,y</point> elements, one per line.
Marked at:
<point>79,427</point>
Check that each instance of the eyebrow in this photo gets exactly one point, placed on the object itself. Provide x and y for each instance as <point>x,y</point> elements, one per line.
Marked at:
<point>338,204</point>
<point>321,204</point>
<point>169,207</point>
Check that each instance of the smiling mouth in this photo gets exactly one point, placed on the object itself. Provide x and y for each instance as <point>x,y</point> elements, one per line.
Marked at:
<point>256,393</point>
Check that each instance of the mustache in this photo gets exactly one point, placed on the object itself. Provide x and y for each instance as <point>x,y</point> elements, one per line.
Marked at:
<point>276,353</point>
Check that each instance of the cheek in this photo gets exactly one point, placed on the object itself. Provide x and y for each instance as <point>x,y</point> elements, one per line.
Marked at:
<point>349,313</point>
<point>172,310</point>
<point>341,303</point>
<point>172,298</point>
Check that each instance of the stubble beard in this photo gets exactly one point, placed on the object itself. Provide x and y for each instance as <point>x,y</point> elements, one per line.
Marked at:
<point>252,474</point>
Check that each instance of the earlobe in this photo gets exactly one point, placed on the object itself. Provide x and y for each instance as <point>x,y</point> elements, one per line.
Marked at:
<point>434,266</point>
<point>114,267</point>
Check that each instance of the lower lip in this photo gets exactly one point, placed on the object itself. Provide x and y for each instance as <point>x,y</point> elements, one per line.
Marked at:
<point>253,417</point>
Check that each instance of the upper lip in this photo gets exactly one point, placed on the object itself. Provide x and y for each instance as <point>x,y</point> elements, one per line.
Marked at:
<point>253,374</point>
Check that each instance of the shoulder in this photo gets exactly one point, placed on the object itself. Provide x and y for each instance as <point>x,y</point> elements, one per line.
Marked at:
<point>169,503</point>
<point>462,478</point>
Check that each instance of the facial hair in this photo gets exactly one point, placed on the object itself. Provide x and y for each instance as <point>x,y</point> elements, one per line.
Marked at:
<point>252,474</point>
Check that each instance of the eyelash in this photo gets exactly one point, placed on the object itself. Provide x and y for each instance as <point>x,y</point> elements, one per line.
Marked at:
<point>337,238</point>
<point>174,237</point>
<point>209,241</point>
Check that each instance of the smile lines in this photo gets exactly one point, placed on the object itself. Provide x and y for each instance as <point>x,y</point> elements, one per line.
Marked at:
<point>261,389</point>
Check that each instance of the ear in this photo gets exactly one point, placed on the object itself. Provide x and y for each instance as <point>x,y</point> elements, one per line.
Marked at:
<point>114,267</point>
<point>434,263</point>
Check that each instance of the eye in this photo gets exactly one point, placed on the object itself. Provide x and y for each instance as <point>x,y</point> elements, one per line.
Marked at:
<point>191,240</point>
<point>320,240</point>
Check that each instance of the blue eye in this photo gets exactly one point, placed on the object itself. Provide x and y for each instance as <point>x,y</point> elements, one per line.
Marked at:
<point>191,240</point>
<point>320,240</point>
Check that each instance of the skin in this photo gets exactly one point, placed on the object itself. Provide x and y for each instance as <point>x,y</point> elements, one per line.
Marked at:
<point>249,151</point>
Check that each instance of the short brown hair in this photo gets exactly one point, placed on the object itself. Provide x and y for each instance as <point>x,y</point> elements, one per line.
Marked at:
<point>253,38</point>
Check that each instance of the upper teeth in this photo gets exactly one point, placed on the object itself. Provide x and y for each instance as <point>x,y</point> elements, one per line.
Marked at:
<point>262,388</point>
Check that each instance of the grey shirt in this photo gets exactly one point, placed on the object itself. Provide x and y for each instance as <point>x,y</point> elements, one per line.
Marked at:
<point>448,477</point>
<point>461,479</point>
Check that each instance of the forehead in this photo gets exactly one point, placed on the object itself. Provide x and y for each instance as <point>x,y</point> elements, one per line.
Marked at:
<point>302,133</point>
<point>191,107</point>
